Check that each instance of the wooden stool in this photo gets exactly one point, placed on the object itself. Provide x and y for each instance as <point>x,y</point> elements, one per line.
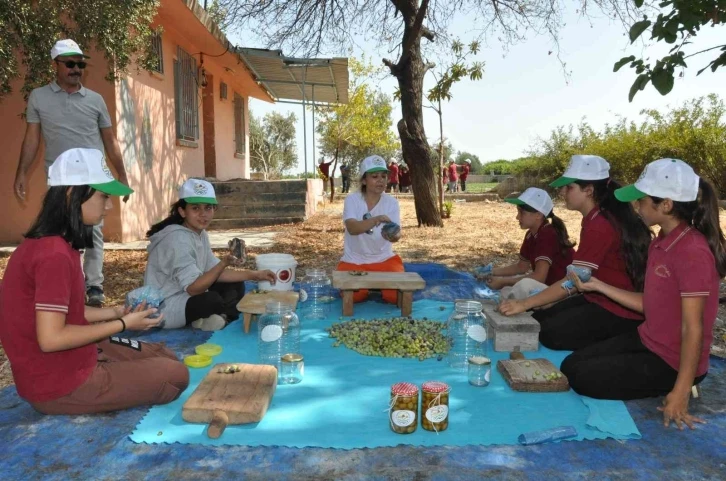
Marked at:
<point>404,282</point>
<point>253,304</point>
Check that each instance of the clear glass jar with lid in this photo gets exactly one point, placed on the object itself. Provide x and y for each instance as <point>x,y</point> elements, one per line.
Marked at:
<point>315,295</point>
<point>278,334</point>
<point>466,330</point>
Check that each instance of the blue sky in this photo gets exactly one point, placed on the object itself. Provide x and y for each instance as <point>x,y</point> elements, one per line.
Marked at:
<point>524,93</point>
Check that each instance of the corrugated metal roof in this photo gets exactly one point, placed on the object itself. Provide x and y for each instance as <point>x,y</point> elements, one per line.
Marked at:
<point>322,80</point>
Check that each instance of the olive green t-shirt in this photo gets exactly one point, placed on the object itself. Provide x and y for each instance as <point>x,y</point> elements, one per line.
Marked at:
<point>66,120</point>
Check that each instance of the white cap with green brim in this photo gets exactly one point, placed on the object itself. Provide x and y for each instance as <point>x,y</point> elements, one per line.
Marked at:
<point>85,167</point>
<point>665,178</point>
<point>66,48</point>
<point>373,163</point>
<point>197,191</point>
<point>584,167</point>
<point>535,198</point>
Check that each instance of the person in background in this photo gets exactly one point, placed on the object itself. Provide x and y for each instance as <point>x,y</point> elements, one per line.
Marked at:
<point>345,177</point>
<point>324,170</point>
<point>545,253</point>
<point>445,177</point>
<point>465,168</point>
<point>69,115</point>
<point>392,176</point>
<point>613,245</point>
<point>404,179</point>
<point>199,289</point>
<point>668,353</point>
<point>366,246</point>
<point>65,356</point>
<point>453,176</point>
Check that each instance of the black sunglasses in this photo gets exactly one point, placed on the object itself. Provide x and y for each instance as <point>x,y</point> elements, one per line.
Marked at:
<point>72,63</point>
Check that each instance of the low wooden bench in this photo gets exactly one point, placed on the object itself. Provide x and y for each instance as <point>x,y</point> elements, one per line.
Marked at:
<point>254,303</point>
<point>404,282</point>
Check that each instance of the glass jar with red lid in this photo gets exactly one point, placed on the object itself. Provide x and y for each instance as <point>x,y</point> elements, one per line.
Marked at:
<point>435,406</point>
<point>403,412</point>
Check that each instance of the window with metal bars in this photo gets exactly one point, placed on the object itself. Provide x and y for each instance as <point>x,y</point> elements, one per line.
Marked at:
<point>239,124</point>
<point>186,96</point>
<point>223,91</point>
<point>157,49</point>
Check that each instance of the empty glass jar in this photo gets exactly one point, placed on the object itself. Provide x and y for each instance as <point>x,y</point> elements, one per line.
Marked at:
<point>467,333</point>
<point>292,368</point>
<point>480,369</point>
<point>315,295</point>
<point>278,334</point>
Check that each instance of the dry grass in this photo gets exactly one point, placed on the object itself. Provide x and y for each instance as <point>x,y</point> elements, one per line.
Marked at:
<point>477,232</point>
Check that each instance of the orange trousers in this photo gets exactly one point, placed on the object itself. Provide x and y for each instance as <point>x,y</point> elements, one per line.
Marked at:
<point>392,264</point>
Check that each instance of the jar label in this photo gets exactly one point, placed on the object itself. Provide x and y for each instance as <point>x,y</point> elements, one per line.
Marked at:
<point>437,414</point>
<point>403,419</point>
<point>271,333</point>
<point>487,375</point>
<point>478,333</point>
<point>303,295</point>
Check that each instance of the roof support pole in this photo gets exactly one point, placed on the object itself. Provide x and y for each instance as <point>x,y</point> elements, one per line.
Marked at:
<point>313,109</point>
<point>305,132</point>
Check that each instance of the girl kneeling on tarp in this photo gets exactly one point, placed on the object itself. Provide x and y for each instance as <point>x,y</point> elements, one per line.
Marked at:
<point>669,352</point>
<point>198,288</point>
<point>613,244</point>
<point>61,353</point>
<point>546,250</point>
<point>366,245</point>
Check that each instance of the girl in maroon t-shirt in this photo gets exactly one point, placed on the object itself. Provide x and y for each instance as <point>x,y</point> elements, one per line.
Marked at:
<point>669,352</point>
<point>65,357</point>
<point>613,243</point>
<point>545,253</point>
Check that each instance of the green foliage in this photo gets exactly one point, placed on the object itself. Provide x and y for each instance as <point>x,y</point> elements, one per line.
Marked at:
<point>448,208</point>
<point>120,29</point>
<point>273,149</point>
<point>498,167</point>
<point>694,132</point>
<point>456,71</point>
<point>360,128</point>
<point>675,27</point>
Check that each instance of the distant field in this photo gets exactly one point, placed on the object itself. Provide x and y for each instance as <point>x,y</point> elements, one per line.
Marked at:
<point>479,188</point>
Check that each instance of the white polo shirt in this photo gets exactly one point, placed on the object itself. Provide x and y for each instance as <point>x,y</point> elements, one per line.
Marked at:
<point>368,248</point>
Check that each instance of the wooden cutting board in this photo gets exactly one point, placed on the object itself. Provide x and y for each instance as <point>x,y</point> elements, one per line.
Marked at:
<point>528,375</point>
<point>236,398</point>
<point>255,302</point>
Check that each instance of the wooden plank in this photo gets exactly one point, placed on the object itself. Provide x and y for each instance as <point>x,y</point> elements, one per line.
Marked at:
<point>404,281</point>
<point>523,322</point>
<point>254,303</point>
<point>243,396</point>
<point>347,303</point>
<point>528,375</point>
<point>406,303</point>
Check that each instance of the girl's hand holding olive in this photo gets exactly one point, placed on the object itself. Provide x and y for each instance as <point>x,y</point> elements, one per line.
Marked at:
<point>592,285</point>
<point>140,321</point>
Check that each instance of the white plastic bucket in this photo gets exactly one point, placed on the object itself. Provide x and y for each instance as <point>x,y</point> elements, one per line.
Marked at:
<point>283,265</point>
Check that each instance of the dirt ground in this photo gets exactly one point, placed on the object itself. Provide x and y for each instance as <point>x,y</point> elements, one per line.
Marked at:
<point>476,233</point>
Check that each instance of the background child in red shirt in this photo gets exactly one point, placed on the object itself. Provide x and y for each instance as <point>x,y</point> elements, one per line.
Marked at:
<point>453,176</point>
<point>60,352</point>
<point>545,253</point>
<point>392,176</point>
<point>669,352</point>
<point>465,168</point>
<point>613,243</point>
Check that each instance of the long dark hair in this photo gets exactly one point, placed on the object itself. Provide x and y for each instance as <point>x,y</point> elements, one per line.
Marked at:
<point>174,218</point>
<point>558,225</point>
<point>61,215</point>
<point>635,236</point>
<point>702,214</point>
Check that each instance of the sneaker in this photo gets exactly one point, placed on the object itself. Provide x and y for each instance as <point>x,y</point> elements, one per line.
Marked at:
<point>95,297</point>
<point>215,322</point>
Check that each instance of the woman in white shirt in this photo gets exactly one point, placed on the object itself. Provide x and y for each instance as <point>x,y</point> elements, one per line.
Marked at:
<point>367,244</point>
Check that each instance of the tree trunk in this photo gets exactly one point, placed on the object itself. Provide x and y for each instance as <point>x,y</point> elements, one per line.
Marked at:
<point>410,71</point>
<point>440,173</point>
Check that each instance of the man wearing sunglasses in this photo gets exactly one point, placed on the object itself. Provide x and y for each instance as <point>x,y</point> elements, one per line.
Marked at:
<point>70,116</point>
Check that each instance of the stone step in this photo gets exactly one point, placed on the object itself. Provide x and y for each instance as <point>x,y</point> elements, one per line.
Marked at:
<point>253,222</point>
<point>250,187</point>
<point>226,211</point>
<point>266,198</point>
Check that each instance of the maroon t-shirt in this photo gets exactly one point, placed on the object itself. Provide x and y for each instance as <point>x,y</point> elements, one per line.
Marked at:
<point>544,245</point>
<point>404,178</point>
<point>325,168</point>
<point>393,174</point>
<point>44,275</point>
<point>453,177</point>
<point>600,251</point>
<point>464,172</point>
<point>680,265</point>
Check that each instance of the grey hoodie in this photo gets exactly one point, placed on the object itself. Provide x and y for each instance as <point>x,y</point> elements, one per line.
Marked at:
<point>177,257</point>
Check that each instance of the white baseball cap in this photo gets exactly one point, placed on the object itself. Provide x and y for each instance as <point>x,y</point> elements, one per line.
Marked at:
<point>665,178</point>
<point>66,48</point>
<point>468,161</point>
<point>85,167</point>
<point>584,167</point>
<point>535,198</point>
<point>373,163</point>
<point>392,160</point>
<point>197,191</point>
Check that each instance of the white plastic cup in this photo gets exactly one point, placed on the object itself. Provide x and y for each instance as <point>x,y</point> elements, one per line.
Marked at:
<point>283,265</point>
